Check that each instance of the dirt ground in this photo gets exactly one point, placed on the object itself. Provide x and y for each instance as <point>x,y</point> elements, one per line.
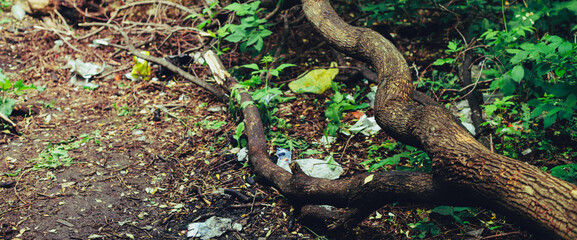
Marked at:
<point>144,159</point>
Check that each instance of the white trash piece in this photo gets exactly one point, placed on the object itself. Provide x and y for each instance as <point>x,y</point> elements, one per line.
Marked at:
<point>327,169</point>
<point>86,70</point>
<point>366,125</point>
<point>284,158</point>
<point>17,11</point>
<point>213,227</point>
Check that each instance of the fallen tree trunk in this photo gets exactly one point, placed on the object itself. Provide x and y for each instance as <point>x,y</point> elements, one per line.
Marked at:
<point>464,171</point>
<point>523,191</point>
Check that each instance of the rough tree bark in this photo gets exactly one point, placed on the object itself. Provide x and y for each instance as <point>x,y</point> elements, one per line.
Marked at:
<point>464,170</point>
<point>459,160</point>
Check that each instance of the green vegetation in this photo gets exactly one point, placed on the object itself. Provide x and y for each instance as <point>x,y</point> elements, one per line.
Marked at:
<point>525,53</point>
<point>9,88</point>
<point>122,110</point>
<point>56,155</point>
<point>5,4</point>
<point>212,125</point>
<point>338,104</point>
<point>426,227</point>
<point>417,160</point>
<point>250,32</point>
<point>525,64</point>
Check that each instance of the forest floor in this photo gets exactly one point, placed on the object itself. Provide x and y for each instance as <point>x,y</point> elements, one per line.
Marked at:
<point>143,159</point>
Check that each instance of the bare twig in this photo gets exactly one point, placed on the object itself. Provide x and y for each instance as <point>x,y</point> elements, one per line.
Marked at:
<point>7,119</point>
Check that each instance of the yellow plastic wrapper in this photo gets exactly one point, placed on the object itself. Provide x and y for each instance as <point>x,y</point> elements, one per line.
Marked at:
<point>315,81</point>
<point>140,68</point>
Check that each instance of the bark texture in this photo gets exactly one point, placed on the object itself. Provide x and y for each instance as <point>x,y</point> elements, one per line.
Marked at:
<point>521,190</point>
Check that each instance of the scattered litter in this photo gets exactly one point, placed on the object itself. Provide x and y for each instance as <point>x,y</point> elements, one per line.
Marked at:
<point>65,223</point>
<point>371,95</point>
<point>216,109</point>
<point>315,81</point>
<point>366,125</point>
<point>198,59</point>
<point>284,158</point>
<point>357,114</point>
<point>57,44</point>
<point>86,70</point>
<point>137,132</point>
<point>327,169</point>
<point>213,227</point>
<point>266,99</point>
<point>18,12</point>
<point>327,140</point>
<point>99,42</point>
<point>140,68</point>
<point>462,111</point>
<point>93,236</point>
<point>526,151</point>
<point>242,154</point>
<point>475,233</point>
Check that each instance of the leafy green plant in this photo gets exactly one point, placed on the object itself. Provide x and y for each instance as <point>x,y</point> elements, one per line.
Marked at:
<point>8,87</point>
<point>417,160</point>
<point>5,4</point>
<point>530,61</point>
<point>424,227</point>
<point>266,97</point>
<point>212,125</point>
<point>56,155</point>
<point>122,111</point>
<point>238,134</point>
<point>566,172</point>
<point>337,105</point>
<point>280,139</point>
<point>251,31</point>
<point>13,174</point>
<point>458,213</point>
<point>205,12</point>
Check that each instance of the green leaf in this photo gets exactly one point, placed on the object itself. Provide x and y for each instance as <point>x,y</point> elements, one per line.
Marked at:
<point>246,103</point>
<point>559,72</point>
<point>264,33</point>
<point>259,44</point>
<point>285,65</point>
<point>565,47</point>
<point>549,120</point>
<point>517,73</point>
<point>571,100</point>
<point>252,66</point>
<point>235,37</point>
<point>7,106</point>
<point>252,39</point>
<point>310,152</point>
<point>554,111</point>
<point>566,172</point>
<point>238,132</point>
<point>519,57</point>
<point>443,61</point>
<point>443,210</point>
<point>508,86</point>
<point>395,159</point>
<point>490,109</point>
